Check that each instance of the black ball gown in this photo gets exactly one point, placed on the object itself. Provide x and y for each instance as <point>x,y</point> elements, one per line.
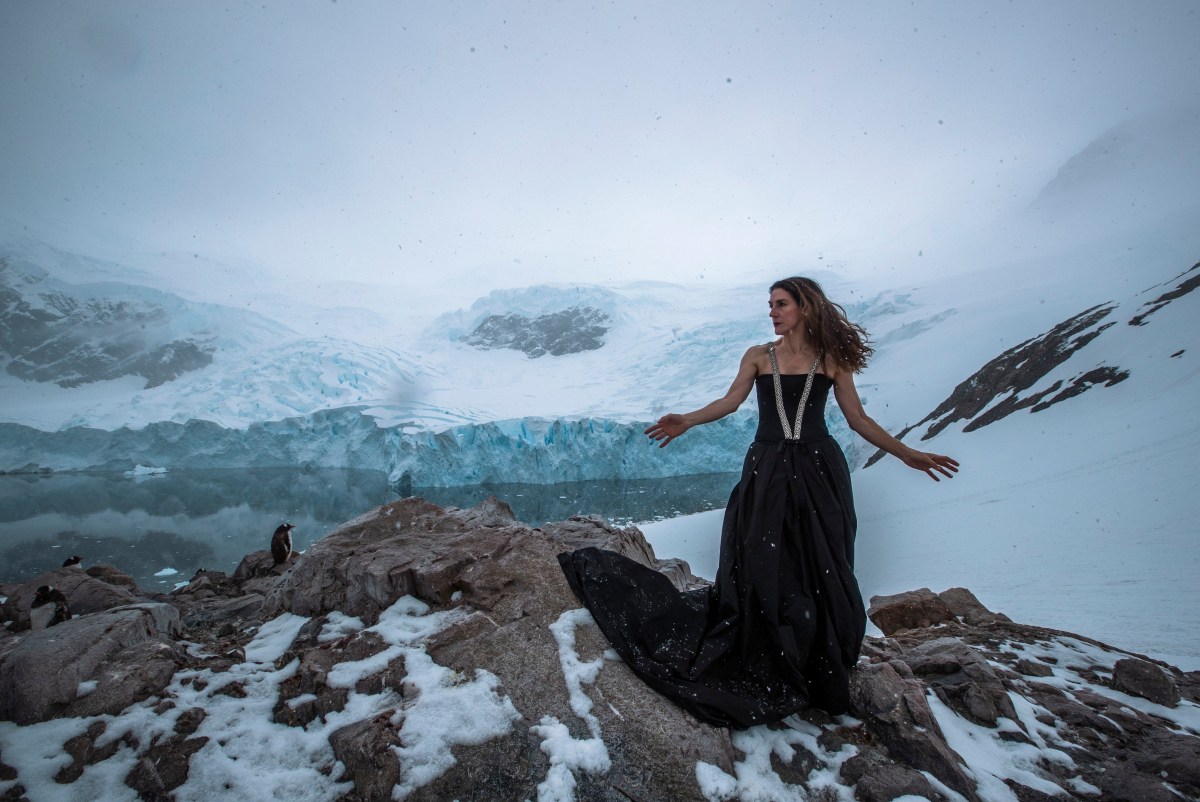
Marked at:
<point>781,626</point>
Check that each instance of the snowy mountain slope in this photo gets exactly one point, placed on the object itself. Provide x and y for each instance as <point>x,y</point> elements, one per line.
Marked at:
<point>108,354</point>
<point>1080,515</point>
<point>76,334</point>
<point>1054,366</point>
<point>1150,164</point>
<point>49,333</point>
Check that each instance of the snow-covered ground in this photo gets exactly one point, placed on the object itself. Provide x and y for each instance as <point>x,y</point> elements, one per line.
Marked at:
<point>247,754</point>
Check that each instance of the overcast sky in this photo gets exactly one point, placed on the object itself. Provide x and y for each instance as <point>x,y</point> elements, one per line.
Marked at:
<point>502,143</point>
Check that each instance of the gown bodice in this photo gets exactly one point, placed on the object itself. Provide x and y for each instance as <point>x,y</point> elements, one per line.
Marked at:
<point>812,426</point>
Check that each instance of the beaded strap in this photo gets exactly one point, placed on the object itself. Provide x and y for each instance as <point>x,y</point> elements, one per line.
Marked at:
<point>790,432</point>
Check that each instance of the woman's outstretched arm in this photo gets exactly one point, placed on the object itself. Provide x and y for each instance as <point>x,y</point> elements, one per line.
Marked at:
<point>673,425</point>
<point>865,426</point>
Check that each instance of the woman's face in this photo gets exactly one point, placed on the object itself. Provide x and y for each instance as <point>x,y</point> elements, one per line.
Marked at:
<point>786,314</point>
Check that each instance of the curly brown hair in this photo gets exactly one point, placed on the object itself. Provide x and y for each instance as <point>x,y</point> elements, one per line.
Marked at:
<point>831,332</point>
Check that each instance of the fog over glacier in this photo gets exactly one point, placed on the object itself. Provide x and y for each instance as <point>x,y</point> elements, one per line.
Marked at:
<point>481,244</point>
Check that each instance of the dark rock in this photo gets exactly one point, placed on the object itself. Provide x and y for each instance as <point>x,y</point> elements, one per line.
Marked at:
<point>962,679</point>
<point>968,608</point>
<point>1034,668</point>
<point>853,769</point>
<point>571,331</point>
<point>888,781</point>
<point>910,610</point>
<point>257,564</point>
<point>1106,375</point>
<point>113,576</point>
<point>1026,794</point>
<point>506,579</point>
<point>189,720</point>
<point>996,390</point>
<point>895,709</point>
<point>1121,784</point>
<point>1175,759</point>
<point>136,673</point>
<point>164,766</point>
<point>365,748</point>
<point>413,547</point>
<point>1178,291</point>
<point>83,752</point>
<point>220,610</point>
<point>311,678</point>
<point>144,779</point>
<point>1139,678</point>
<point>57,332</point>
<point>82,650</point>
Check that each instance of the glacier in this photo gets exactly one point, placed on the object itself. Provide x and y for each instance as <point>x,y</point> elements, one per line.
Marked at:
<point>525,450</point>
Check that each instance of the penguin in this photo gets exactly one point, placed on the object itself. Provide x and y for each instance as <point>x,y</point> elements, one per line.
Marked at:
<point>73,562</point>
<point>49,607</point>
<point>281,543</point>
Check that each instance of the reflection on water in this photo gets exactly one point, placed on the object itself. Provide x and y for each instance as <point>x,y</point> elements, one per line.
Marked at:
<point>161,529</point>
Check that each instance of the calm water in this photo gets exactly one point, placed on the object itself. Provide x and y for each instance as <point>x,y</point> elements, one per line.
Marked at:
<point>162,529</point>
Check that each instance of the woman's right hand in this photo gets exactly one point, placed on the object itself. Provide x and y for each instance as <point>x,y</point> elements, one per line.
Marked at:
<point>931,464</point>
<point>667,428</point>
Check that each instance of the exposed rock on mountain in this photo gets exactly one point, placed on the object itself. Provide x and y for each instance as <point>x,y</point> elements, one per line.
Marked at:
<point>53,335</point>
<point>1187,281</point>
<point>1020,368</point>
<point>428,654</point>
<point>579,328</point>
<point>1017,379</point>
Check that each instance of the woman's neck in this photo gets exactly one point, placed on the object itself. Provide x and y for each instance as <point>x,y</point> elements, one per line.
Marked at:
<point>795,342</point>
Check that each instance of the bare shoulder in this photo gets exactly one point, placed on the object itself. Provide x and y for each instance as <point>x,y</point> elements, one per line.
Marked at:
<point>837,373</point>
<point>756,357</point>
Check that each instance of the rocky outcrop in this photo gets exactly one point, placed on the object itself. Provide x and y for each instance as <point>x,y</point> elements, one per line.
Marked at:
<point>93,664</point>
<point>1187,281</point>
<point>1011,375</point>
<point>85,593</point>
<point>1073,705</point>
<point>1144,679</point>
<point>570,331</point>
<point>484,555</point>
<point>1020,378</point>
<point>426,654</point>
<point>54,334</point>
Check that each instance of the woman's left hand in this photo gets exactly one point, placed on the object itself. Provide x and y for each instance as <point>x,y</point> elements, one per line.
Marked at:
<point>932,464</point>
<point>667,428</point>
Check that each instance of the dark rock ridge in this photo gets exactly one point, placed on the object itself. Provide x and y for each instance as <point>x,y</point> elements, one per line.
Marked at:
<point>1185,285</point>
<point>570,331</point>
<point>52,335</point>
<point>1001,387</point>
<point>1020,368</point>
<point>429,654</point>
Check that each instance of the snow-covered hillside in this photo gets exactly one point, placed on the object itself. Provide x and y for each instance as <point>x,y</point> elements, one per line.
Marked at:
<point>112,353</point>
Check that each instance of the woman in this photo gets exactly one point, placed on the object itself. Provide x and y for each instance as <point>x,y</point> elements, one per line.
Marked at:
<point>782,624</point>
